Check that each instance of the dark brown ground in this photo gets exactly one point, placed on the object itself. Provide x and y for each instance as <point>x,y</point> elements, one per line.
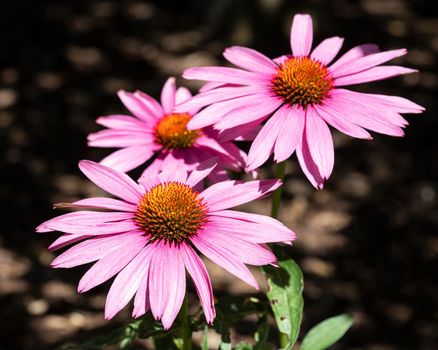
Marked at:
<point>367,243</point>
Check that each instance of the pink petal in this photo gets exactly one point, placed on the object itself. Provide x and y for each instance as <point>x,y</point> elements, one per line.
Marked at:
<point>120,138</point>
<point>247,132</point>
<point>103,203</point>
<point>366,62</point>
<point>301,35</point>
<point>123,122</point>
<point>210,85</point>
<point>176,284</point>
<point>263,144</point>
<point>81,221</point>
<point>173,174</point>
<point>150,104</point>
<point>354,53</point>
<point>127,282</point>
<point>333,115</point>
<point>229,194</point>
<point>129,158</point>
<point>66,240</point>
<point>399,104</point>
<point>227,75</point>
<point>168,96</point>
<point>250,59</point>
<point>308,165</point>
<point>201,172</point>
<point>363,115</point>
<point>212,114</point>
<point>141,300</point>
<point>217,95</point>
<point>111,181</point>
<point>244,251</point>
<point>327,50</point>
<point>112,263</point>
<point>291,131</point>
<point>225,259</point>
<point>182,94</point>
<point>201,279</point>
<point>136,106</point>
<point>319,139</point>
<point>251,227</point>
<point>373,74</point>
<point>91,250</point>
<point>253,108</point>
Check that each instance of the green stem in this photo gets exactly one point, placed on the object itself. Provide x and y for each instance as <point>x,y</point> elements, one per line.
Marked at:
<point>276,197</point>
<point>185,325</point>
<point>276,201</point>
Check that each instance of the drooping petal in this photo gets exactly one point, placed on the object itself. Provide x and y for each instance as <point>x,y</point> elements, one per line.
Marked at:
<point>141,300</point>
<point>168,96</point>
<point>129,158</point>
<point>127,282</point>
<point>111,181</point>
<point>230,194</point>
<point>224,259</point>
<point>373,74</point>
<point>320,142</point>
<point>308,165</point>
<point>176,285</point>
<point>201,279</point>
<point>263,144</point>
<point>301,35</point>
<point>327,50</point>
<point>249,59</point>
<point>112,263</point>
<point>291,131</point>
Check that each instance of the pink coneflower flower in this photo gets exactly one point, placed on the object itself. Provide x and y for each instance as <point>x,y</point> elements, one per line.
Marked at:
<point>301,93</point>
<point>155,232</point>
<point>157,129</point>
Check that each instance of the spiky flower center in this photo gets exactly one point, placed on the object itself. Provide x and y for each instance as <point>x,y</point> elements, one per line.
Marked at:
<point>172,212</point>
<point>171,131</point>
<point>302,81</point>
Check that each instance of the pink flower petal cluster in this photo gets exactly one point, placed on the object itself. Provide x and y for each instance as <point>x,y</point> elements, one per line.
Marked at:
<point>300,95</point>
<point>148,266</point>
<point>136,136</point>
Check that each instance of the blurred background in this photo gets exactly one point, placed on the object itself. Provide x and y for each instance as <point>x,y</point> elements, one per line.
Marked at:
<point>367,243</point>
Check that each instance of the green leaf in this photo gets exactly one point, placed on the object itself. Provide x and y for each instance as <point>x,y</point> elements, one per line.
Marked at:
<point>262,333</point>
<point>123,336</point>
<point>326,333</point>
<point>285,296</point>
<point>244,346</point>
<point>204,344</point>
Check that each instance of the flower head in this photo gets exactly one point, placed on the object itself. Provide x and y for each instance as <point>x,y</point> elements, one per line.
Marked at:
<point>157,130</point>
<point>298,95</point>
<point>154,232</point>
